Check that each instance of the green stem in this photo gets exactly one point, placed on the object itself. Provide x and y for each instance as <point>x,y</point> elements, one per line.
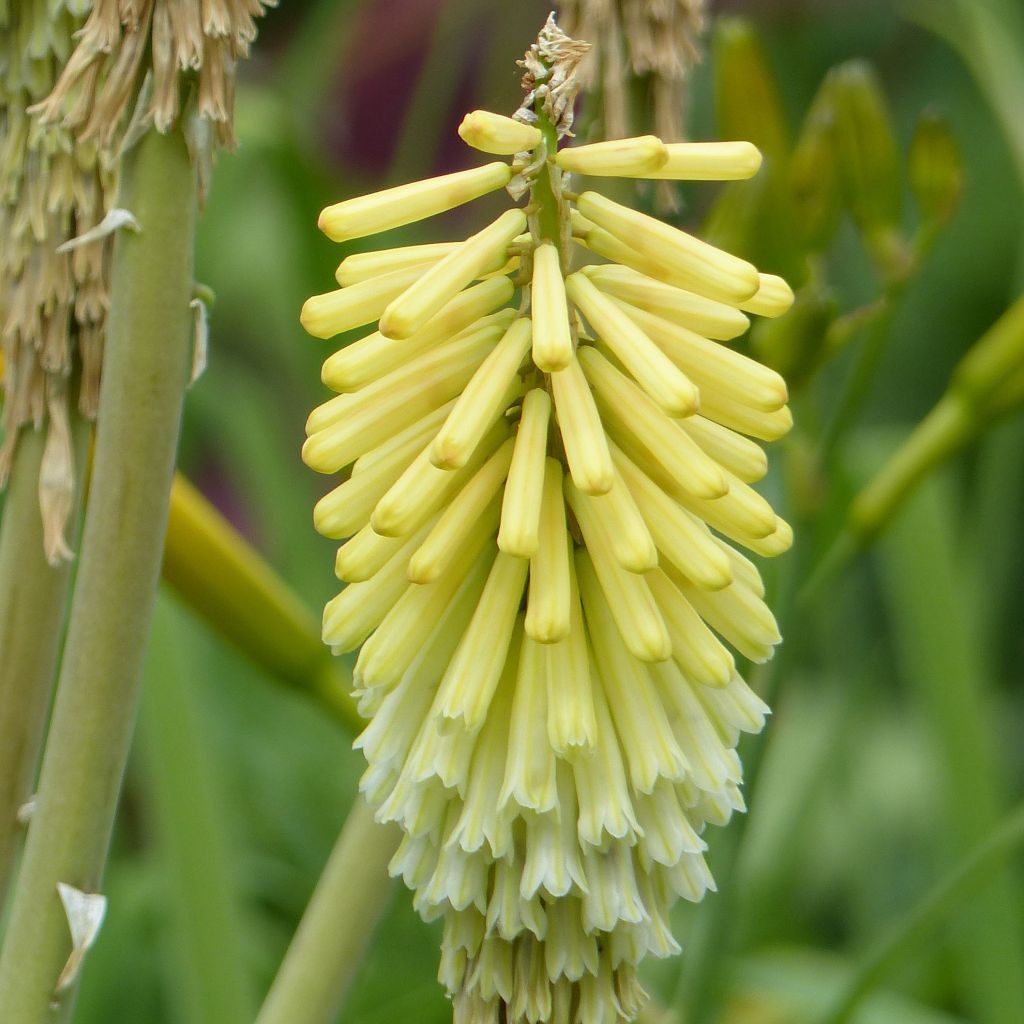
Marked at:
<point>337,927</point>
<point>146,368</point>
<point>861,376</point>
<point>920,924</point>
<point>211,986</point>
<point>33,595</point>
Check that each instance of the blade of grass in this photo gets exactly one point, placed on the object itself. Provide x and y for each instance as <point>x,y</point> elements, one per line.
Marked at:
<point>201,891</point>
<point>942,663</point>
<point>917,927</point>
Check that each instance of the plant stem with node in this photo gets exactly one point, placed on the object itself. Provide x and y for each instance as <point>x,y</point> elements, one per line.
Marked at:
<point>146,369</point>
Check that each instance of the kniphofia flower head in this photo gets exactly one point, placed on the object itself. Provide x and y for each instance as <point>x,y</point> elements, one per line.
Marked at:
<point>543,507</point>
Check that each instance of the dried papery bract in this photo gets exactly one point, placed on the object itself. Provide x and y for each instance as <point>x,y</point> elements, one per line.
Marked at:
<point>120,44</point>
<point>52,299</point>
<point>540,505</point>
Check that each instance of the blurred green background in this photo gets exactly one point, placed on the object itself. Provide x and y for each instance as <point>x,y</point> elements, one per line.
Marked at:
<point>895,746</point>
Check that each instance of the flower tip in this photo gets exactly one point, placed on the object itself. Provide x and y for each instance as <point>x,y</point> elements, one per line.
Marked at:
<point>497,134</point>
<point>313,318</point>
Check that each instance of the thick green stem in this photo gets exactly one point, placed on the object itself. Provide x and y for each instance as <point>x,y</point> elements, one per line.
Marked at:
<point>32,599</point>
<point>145,372</point>
<point>337,927</point>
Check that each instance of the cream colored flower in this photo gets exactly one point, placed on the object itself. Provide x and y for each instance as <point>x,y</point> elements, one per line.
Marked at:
<point>544,509</point>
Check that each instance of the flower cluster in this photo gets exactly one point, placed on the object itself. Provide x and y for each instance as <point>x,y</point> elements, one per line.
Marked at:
<point>52,301</point>
<point>538,502</point>
<point>166,42</point>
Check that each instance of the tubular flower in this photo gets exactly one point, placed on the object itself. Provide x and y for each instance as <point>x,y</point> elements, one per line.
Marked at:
<point>543,508</point>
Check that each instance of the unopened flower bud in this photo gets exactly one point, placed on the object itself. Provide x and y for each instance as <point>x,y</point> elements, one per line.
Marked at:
<point>495,133</point>
<point>935,169</point>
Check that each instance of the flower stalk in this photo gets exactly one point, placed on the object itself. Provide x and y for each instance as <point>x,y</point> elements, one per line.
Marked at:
<point>145,373</point>
<point>33,595</point>
<point>338,924</point>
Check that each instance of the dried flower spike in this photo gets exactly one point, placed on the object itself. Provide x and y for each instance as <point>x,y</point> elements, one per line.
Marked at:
<point>539,573</point>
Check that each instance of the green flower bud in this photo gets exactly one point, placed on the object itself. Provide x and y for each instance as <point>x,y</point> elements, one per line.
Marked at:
<point>746,96</point>
<point>935,169</point>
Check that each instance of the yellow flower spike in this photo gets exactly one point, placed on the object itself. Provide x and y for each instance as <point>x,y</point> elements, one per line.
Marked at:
<point>342,511</point>
<point>628,410</point>
<point>768,426</point>
<point>495,133</point>
<point>438,550</point>
<point>773,297</point>
<point>732,451</point>
<point>775,543</point>
<point>583,437</point>
<point>713,366</point>
<point>374,356</point>
<point>552,338</point>
<point>423,488</point>
<point>650,367</point>
<point>745,572</point>
<point>630,539</point>
<point>386,656</point>
<point>468,685</point>
<point>347,426</point>
<point>483,399</point>
<point>605,807</point>
<point>572,722</point>
<point>418,434</point>
<point>699,653</point>
<point>404,204</point>
<point>530,765</point>
<point>738,615</point>
<point>741,507</point>
<point>618,158</point>
<point>480,253</point>
<point>364,554</point>
<point>705,316</point>
<point>361,266</point>
<point>553,715</point>
<point>521,505</point>
<point>719,274</point>
<point>548,613</point>
<point>360,608</point>
<point>682,538</point>
<point>332,313</point>
<point>651,751</point>
<point>629,598</point>
<point>708,161</point>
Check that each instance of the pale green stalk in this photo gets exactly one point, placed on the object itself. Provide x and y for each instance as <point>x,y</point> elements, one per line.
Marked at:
<point>33,595</point>
<point>146,367</point>
<point>337,926</point>
<point>210,982</point>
